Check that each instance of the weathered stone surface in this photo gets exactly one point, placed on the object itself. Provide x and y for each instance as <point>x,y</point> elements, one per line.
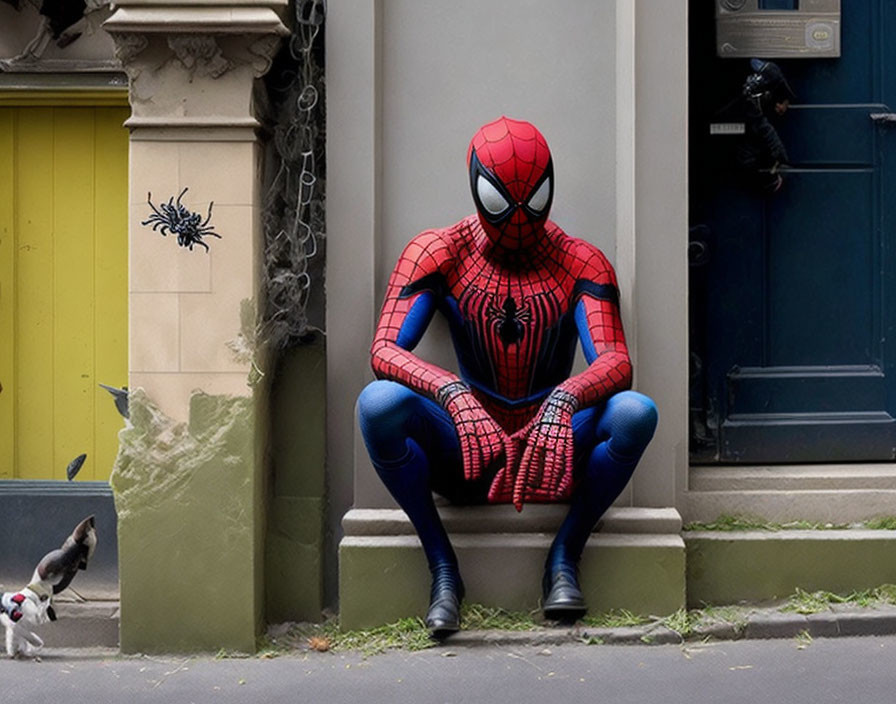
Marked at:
<point>187,505</point>
<point>777,625</point>
<point>756,566</point>
<point>384,578</point>
<point>536,518</point>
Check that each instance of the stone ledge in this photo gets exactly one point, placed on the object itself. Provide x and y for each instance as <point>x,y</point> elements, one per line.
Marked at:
<point>755,566</point>
<point>200,20</point>
<point>512,540</point>
<point>824,493</point>
<point>200,121</point>
<point>174,130</point>
<point>280,4</point>
<point>793,478</point>
<point>537,518</point>
<point>829,505</point>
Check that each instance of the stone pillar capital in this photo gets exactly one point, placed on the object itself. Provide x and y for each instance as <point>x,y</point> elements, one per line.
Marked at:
<point>169,49</point>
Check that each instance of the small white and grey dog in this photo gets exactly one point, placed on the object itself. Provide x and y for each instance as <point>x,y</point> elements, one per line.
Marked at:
<point>20,612</point>
<point>33,605</point>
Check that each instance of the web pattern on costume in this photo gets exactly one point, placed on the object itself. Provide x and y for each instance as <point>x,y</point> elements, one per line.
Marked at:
<point>523,351</point>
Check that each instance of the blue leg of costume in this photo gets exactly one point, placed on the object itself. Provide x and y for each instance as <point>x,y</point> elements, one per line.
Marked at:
<point>622,433</point>
<point>405,433</point>
<point>402,430</point>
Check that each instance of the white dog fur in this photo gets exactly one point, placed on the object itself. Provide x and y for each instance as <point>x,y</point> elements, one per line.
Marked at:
<point>21,641</point>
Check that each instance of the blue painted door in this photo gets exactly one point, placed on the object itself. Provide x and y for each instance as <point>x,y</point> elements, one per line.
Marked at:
<point>792,294</point>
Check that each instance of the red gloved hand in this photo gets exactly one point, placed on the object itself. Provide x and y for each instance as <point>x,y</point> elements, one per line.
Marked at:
<point>545,471</point>
<point>482,440</point>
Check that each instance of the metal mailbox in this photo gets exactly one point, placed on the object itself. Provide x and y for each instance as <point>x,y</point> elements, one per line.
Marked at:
<point>778,28</point>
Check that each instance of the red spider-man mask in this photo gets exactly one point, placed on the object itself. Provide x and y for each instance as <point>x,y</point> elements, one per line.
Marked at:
<point>512,178</point>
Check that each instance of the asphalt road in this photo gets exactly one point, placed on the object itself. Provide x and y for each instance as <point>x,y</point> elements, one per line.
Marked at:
<point>854,670</point>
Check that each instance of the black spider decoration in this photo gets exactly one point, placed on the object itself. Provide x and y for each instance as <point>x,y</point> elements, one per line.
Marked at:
<point>188,226</point>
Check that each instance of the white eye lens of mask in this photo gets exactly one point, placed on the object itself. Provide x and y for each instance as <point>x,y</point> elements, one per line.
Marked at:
<point>539,199</point>
<point>491,200</point>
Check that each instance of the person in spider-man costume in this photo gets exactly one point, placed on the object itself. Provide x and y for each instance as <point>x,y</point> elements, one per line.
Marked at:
<point>517,293</point>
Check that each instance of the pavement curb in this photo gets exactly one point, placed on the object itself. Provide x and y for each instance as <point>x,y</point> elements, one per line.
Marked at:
<point>90,625</point>
<point>759,624</point>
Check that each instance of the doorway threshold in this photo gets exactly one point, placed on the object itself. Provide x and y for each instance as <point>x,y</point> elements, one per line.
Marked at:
<point>834,493</point>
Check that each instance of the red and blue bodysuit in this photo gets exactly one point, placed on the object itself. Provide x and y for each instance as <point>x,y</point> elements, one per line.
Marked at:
<point>517,293</point>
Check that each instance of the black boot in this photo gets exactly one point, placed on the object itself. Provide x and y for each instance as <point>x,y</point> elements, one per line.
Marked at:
<point>563,600</point>
<point>443,616</point>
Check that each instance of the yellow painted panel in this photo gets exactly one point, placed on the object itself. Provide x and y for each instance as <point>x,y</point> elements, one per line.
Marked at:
<point>111,267</point>
<point>68,270</point>
<point>7,299</point>
<point>35,292</point>
<point>74,283</point>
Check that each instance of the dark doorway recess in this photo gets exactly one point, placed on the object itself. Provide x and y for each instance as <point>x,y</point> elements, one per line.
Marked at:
<point>792,293</point>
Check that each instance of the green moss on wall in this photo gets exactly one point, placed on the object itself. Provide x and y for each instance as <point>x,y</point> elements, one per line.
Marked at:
<point>189,518</point>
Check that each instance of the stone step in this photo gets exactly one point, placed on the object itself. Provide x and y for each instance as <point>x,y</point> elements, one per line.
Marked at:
<point>87,624</point>
<point>535,518</point>
<point>383,574</point>
<point>757,565</point>
<point>820,493</point>
<point>789,478</point>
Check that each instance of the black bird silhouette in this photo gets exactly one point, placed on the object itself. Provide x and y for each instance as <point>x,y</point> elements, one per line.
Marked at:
<point>121,398</point>
<point>75,466</point>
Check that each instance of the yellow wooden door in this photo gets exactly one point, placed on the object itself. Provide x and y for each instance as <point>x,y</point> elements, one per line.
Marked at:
<point>63,287</point>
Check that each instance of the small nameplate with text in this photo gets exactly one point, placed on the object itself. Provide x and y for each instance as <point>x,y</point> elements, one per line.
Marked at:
<point>727,128</point>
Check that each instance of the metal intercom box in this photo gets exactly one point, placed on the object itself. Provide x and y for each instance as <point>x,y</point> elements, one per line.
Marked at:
<point>772,29</point>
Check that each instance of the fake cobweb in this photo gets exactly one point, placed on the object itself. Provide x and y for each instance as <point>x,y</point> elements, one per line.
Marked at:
<point>294,201</point>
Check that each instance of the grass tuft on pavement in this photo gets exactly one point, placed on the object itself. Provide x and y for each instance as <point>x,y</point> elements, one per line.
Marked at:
<point>616,618</point>
<point>410,634</point>
<point>803,602</point>
<point>479,617</point>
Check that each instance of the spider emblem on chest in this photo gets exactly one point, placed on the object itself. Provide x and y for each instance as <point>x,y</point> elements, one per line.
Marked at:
<point>510,320</point>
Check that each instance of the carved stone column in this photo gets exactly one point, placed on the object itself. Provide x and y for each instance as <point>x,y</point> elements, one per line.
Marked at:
<point>188,479</point>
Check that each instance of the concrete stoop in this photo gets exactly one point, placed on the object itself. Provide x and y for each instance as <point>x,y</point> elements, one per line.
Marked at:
<point>835,493</point>
<point>635,561</point>
<point>755,566</point>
